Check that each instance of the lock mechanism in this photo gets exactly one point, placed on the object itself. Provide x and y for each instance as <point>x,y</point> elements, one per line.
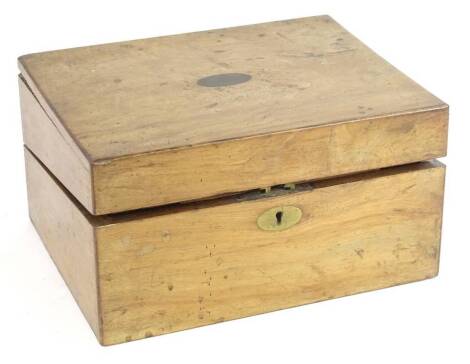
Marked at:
<point>286,187</point>
<point>279,218</point>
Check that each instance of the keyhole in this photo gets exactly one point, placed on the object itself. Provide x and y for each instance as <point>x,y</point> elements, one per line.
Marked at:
<point>279,217</point>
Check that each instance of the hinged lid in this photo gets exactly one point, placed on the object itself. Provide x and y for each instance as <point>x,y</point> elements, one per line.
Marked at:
<point>162,120</point>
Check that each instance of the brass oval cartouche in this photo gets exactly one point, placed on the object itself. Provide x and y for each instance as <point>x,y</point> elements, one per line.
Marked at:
<point>279,218</point>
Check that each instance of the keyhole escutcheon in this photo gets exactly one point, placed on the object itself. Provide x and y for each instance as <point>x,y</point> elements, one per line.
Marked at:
<point>279,218</point>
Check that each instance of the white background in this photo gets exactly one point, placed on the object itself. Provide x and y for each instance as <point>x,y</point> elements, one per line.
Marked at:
<point>422,322</point>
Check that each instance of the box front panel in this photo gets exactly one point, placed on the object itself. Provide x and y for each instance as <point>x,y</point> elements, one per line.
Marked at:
<point>239,165</point>
<point>199,266</point>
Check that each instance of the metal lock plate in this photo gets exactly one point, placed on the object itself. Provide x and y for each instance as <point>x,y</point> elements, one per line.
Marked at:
<point>279,218</point>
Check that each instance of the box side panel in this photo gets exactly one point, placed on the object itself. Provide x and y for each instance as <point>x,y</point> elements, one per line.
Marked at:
<point>239,165</point>
<point>176,271</point>
<point>67,235</point>
<point>54,148</point>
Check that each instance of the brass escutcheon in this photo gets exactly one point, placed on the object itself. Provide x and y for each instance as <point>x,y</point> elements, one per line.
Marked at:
<point>279,218</point>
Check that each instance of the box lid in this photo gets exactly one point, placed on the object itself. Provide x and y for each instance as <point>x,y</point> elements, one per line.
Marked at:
<point>193,116</point>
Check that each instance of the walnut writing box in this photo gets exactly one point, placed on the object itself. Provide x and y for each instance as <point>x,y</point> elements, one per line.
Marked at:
<point>185,180</point>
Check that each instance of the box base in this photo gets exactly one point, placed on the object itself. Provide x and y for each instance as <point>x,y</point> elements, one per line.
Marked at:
<point>155,271</point>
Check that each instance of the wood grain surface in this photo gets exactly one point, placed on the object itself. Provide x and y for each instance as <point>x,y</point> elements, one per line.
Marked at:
<point>239,165</point>
<point>67,235</point>
<point>167,269</point>
<point>319,103</point>
<point>55,148</point>
<point>142,96</point>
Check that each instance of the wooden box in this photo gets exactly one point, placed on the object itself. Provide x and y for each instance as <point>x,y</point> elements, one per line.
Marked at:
<point>191,179</point>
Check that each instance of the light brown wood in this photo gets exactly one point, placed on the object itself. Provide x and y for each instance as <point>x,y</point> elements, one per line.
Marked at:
<point>55,148</point>
<point>67,235</point>
<point>215,169</point>
<point>319,104</point>
<point>176,267</point>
